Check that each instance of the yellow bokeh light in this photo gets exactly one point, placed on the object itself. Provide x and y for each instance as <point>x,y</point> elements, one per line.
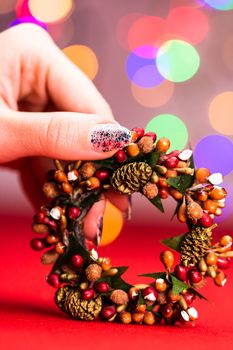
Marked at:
<point>7,6</point>
<point>50,10</point>
<point>221,113</point>
<point>155,96</point>
<point>84,58</point>
<point>112,224</point>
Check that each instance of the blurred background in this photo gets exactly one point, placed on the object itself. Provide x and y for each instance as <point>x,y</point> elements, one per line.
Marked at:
<point>165,65</point>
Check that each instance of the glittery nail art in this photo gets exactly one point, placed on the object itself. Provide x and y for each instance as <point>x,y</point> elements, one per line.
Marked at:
<point>109,137</point>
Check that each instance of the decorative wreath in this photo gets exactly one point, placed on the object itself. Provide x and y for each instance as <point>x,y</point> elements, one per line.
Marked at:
<point>88,286</point>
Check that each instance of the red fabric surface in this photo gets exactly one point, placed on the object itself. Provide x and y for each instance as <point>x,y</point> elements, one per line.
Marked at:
<point>30,320</point>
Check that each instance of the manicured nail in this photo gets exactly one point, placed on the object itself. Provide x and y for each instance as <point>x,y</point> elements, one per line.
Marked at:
<point>99,231</point>
<point>109,137</point>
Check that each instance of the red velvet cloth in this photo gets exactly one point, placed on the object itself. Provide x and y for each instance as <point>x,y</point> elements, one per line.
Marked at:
<point>29,318</point>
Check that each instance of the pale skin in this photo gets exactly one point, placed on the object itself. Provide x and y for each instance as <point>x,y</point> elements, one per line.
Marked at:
<point>47,107</point>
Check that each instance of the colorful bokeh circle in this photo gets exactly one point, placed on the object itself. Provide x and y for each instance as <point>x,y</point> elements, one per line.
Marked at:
<point>221,113</point>
<point>29,19</point>
<point>50,10</point>
<point>84,58</point>
<point>153,97</point>
<point>170,126</point>
<point>188,23</point>
<point>214,152</point>
<point>223,5</point>
<point>143,71</point>
<point>177,60</point>
<point>112,224</point>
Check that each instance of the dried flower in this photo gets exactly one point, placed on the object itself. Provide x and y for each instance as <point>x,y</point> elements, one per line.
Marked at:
<point>119,297</point>
<point>93,272</point>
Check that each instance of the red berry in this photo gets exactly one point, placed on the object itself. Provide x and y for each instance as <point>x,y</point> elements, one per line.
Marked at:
<point>54,280</point>
<point>102,287</point>
<point>181,272</point>
<point>51,223</point>
<point>163,193</point>
<point>149,293</point>
<point>152,135</point>
<point>77,261</point>
<point>206,220</point>
<point>37,244</point>
<point>174,154</point>
<point>172,162</point>
<point>108,312</point>
<point>39,217</point>
<point>166,310</point>
<point>74,212</point>
<point>189,297</point>
<point>102,174</point>
<point>120,156</point>
<point>139,132</point>
<point>194,276</point>
<point>223,263</point>
<point>88,294</point>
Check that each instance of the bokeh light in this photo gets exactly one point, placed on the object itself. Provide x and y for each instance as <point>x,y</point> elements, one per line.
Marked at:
<point>7,6</point>
<point>147,30</point>
<point>177,60</point>
<point>216,153</point>
<point>227,52</point>
<point>153,97</point>
<point>188,23</point>
<point>170,126</point>
<point>112,224</point>
<point>143,71</point>
<point>29,19</point>
<point>220,4</point>
<point>123,27</point>
<point>221,113</point>
<point>50,10</point>
<point>84,58</point>
<point>62,32</point>
<point>190,3</point>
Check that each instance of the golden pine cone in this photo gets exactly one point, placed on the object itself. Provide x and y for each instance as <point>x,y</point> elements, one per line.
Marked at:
<point>195,245</point>
<point>68,299</point>
<point>131,177</point>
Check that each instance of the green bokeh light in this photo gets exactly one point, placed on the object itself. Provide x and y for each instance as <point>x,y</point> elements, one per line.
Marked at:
<point>172,127</point>
<point>177,60</point>
<point>223,5</point>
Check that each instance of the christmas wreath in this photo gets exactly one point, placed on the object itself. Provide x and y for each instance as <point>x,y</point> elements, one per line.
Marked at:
<point>88,286</point>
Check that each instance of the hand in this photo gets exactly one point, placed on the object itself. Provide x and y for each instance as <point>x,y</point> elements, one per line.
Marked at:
<point>48,108</point>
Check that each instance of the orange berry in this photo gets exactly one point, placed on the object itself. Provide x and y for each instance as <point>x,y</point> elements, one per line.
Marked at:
<point>163,193</point>
<point>125,317</point>
<point>60,248</point>
<point>211,259</point>
<point>137,317</point>
<point>201,175</point>
<point>210,206</point>
<point>141,308</point>
<point>60,176</point>
<point>93,183</point>
<point>134,136</point>
<point>162,182</point>
<point>225,240</point>
<point>149,318</point>
<point>167,258</point>
<point>202,196</point>
<point>52,239</point>
<point>162,145</point>
<point>171,173</point>
<point>182,213</point>
<point>132,150</point>
<point>67,188</point>
<point>106,264</point>
<point>173,297</point>
<point>160,285</point>
<point>176,194</point>
<point>217,193</point>
<point>182,164</point>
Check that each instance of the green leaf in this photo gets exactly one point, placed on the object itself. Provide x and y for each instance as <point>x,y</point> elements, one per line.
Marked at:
<point>199,295</point>
<point>177,208</point>
<point>174,242</point>
<point>141,300</point>
<point>154,275</point>
<point>157,203</point>
<point>152,159</point>
<point>181,182</point>
<point>116,281</point>
<point>177,285</point>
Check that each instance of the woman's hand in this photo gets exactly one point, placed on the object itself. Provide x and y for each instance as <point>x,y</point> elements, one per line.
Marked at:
<point>50,109</point>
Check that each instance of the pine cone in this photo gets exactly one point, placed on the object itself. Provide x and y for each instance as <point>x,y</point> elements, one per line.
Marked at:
<point>195,245</point>
<point>131,177</point>
<point>68,299</point>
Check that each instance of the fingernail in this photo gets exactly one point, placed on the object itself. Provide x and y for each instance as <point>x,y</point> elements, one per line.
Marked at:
<point>109,137</point>
<point>129,209</point>
<point>99,231</point>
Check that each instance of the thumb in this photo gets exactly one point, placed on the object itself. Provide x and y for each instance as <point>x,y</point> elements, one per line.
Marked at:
<point>60,135</point>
